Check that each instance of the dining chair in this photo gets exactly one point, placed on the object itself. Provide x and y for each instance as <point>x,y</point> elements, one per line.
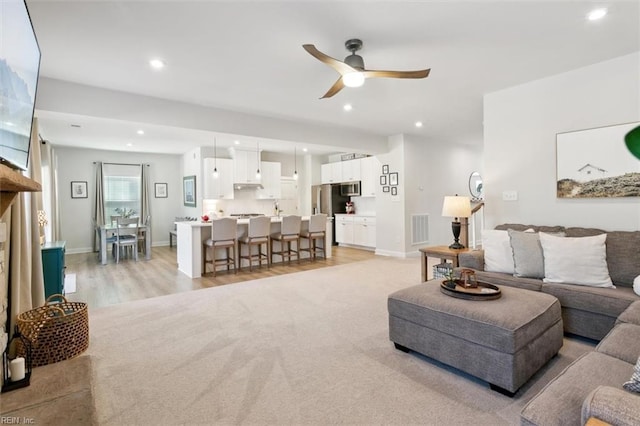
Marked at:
<point>257,235</point>
<point>316,231</point>
<point>224,234</point>
<point>126,236</point>
<point>289,233</point>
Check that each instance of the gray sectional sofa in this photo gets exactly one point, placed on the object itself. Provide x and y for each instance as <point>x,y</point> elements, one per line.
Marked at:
<point>592,385</point>
<point>586,311</point>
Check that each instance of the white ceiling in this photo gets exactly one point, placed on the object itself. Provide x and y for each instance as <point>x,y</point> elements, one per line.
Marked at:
<point>247,56</point>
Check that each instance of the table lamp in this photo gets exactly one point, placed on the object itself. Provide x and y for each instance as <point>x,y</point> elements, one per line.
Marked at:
<point>456,207</point>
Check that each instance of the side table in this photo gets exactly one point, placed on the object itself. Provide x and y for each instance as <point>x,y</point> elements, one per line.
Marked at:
<point>444,253</point>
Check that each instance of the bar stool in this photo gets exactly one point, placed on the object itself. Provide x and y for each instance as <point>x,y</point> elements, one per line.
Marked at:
<point>223,236</point>
<point>257,235</point>
<point>289,232</point>
<point>316,231</point>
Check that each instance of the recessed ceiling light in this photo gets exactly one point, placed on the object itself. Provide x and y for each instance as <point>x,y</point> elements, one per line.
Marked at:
<point>129,144</point>
<point>157,64</point>
<point>305,149</point>
<point>236,142</point>
<point>347,107</point>
<point>418,123</point>
<point>140,132</point>
<point>596,14</point>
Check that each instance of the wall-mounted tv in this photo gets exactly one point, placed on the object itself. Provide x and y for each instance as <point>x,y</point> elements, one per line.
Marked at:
<point>19,68</point>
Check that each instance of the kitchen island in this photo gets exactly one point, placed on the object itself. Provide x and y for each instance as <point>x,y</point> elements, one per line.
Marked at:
<point>191,235</point>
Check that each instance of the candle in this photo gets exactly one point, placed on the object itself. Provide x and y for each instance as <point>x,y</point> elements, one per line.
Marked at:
<point>16,368</point>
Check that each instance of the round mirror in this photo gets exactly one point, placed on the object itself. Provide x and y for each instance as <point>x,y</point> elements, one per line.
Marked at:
<point>475,186</point>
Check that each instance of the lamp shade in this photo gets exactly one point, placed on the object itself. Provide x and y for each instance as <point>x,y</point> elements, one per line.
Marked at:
<point>456,206</point>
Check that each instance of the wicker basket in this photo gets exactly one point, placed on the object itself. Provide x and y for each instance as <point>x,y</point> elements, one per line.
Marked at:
<point>57,330</point>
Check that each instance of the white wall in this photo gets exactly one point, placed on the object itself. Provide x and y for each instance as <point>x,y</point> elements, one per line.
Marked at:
<point>521,124</point>
<point>433,170</point>
<point>76,164</point>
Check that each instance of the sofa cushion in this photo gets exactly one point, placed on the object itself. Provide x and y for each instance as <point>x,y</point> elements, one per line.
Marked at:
<point>623,342</point>
<point>498,256</point>
<point>580,261</point>
<point>560,402</point>
<point>631,314</point>
<point>623,256</point>
<point>607,301</point>
<point>528,259</point>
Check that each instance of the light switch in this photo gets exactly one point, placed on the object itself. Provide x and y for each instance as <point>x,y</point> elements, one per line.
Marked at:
<point>510,195</point>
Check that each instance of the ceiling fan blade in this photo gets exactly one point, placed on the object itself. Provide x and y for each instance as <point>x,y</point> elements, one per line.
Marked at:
<point>337,86</point>
<point>396,74</point>
<point>337,65</point>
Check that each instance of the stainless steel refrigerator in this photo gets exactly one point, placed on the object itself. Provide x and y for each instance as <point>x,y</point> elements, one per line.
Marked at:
<point>327,199</point>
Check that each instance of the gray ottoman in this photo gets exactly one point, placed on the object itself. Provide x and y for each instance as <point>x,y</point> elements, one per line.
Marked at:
<point>503,341</point>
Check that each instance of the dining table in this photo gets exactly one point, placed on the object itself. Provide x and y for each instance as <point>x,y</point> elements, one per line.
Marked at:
<point>104,231</point>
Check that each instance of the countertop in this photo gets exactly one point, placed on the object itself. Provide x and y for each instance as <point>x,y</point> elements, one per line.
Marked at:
<point>274,219</point>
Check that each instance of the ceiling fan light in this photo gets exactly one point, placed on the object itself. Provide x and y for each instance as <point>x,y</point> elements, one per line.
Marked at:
<point>353,79</point>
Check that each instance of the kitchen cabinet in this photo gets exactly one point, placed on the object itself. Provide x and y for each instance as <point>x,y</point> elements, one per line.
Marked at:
<point>364,231</point>
<point>350,170</point>
<point>245,166</point>
<point>53,267</point>
<point>356,230</point>
<point>271,185</point>
<point>344,229</point>
<point>222,187</point>
<point>331,172</point>
<point>370,172</point>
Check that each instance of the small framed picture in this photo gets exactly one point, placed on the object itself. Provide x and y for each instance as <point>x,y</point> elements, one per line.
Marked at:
<point>189,190</point>
<point>393,178</point>
<point>394,190</point>
<point>161,190</point>
<point>79,189</point>
<point>383,180</point>
<point>385,169</point>
<point>385,189</point>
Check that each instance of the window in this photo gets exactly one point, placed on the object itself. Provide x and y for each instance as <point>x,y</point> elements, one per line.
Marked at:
<point>122,189</point>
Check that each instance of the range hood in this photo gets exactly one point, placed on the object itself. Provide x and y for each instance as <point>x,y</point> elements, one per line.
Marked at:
<point>247,186</point>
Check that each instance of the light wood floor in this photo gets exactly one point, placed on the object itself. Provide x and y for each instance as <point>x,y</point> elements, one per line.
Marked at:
<point>101,285</point>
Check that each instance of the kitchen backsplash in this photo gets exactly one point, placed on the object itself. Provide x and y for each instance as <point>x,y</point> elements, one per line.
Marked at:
<point>245,202</point>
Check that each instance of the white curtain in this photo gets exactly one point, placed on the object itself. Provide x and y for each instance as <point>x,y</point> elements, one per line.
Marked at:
<point>26,284</point>
<point>145,211</point>
<point>50,191</point>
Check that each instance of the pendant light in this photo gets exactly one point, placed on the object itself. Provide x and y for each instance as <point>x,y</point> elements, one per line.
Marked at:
<point>215,160</point>
<point>258,175</point>
<point>295,163</point>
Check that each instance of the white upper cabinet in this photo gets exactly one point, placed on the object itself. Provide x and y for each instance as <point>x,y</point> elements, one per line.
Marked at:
<point>331,172</point>
<point>350,170</point>
<point>370,171</point>
<point>271,181</point>
<point>222,187</point>
<point>246,165</point>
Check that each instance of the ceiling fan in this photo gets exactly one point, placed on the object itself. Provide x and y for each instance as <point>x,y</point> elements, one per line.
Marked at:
<point>352,71</point>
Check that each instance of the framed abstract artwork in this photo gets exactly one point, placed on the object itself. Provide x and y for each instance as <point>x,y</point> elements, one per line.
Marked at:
<point>189,191</point>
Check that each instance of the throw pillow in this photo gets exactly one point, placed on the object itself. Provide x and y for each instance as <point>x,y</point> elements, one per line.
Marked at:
<point>528,259</point>
<point>636,285</point>
<point>633,384</point>
<point>580,260</point>
<point>498,256</point>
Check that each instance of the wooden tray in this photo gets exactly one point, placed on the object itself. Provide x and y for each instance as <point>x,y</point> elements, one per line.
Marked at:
<point>484,291</point>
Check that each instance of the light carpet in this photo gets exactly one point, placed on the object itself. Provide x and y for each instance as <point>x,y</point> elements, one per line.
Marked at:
<point>304,348</point>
